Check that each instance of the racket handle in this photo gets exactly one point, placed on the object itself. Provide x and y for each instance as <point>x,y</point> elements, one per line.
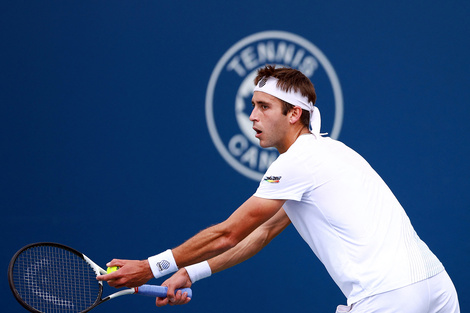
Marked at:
<point>158,291</point>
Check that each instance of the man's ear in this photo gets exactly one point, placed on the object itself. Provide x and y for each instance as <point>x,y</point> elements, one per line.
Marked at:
<point>294,114</point>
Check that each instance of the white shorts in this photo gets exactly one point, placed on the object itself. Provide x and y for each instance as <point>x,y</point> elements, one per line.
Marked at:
<point>436,294</point>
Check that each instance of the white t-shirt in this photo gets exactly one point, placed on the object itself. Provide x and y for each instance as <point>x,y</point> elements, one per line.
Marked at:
<point>349,218</point>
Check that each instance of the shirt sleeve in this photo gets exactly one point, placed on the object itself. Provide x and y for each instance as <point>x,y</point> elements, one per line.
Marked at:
<point>285,180</point>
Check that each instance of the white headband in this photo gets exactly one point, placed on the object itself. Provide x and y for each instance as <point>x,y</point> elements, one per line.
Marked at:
<point>295,98</point>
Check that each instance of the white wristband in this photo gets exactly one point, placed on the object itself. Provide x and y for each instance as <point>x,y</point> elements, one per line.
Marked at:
<point>163,264</point>
<point>198,271</point>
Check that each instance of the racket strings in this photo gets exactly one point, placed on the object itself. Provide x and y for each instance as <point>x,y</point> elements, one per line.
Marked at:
<point>52,279</point>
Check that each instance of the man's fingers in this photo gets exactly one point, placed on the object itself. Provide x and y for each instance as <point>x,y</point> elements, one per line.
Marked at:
<point>114,279</point>
<point>108,277</point>
<point>181,298</point>
<point>161,301</point>
<point>170,294</point>
<point>114,275</point>
<point>178,299</point>
<point>115,262</point>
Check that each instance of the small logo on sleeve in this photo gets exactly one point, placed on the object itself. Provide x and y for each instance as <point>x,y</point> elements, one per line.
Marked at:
<point>272,179</point>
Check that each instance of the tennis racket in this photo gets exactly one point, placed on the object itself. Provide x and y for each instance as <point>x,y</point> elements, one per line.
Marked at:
<point>50,277</point>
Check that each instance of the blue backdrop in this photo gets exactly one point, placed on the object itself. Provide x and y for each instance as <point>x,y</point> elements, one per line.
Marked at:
<point>106,145</point>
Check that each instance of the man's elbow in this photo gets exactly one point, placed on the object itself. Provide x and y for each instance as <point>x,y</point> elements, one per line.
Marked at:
<point>228,238</point>
<point>228,241</point>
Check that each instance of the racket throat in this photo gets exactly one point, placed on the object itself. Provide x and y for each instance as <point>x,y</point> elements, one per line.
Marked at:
<point>121,293</point>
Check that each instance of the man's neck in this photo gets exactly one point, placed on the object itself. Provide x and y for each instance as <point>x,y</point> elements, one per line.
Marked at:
<point>293,137</point>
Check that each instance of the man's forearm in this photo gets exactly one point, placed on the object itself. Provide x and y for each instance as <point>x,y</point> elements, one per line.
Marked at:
<point>247,248</point>
<point>252,244</point>
<point>226,235</point>
<point>204,245</point>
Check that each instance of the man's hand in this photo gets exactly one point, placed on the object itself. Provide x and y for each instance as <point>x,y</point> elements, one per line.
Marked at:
<point>131,273</point>
<point>179,280</point>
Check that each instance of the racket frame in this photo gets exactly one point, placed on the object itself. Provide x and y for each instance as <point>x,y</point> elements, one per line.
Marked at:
<point>147,290</point>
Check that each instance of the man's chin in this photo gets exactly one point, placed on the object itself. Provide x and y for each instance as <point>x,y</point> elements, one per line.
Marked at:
<point>264,145</point>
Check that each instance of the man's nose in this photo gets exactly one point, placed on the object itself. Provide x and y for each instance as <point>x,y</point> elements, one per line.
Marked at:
<point>253,115</point>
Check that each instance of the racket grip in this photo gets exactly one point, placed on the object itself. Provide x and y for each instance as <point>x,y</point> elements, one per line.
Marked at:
<point>158,291</point>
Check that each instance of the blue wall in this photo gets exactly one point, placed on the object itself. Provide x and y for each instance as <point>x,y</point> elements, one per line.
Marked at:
<point>105,144</point>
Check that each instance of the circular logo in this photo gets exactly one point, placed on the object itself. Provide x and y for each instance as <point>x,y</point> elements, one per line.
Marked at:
<point>230,89</point>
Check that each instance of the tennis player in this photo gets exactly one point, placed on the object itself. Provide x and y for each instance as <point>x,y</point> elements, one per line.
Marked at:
<point>336,201</point>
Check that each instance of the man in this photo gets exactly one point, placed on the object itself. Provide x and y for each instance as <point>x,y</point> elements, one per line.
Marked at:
<point>336,201</point>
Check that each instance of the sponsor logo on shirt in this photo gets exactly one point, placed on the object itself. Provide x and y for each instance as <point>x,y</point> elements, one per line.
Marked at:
<point>272,179</point>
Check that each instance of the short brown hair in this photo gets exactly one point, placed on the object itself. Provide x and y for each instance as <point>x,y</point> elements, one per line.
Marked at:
<point>289,78</point>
